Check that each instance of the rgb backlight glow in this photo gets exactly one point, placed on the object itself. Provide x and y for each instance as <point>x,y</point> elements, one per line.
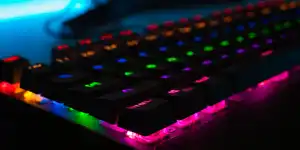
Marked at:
<point>117,133</point>
<point>122,135</point>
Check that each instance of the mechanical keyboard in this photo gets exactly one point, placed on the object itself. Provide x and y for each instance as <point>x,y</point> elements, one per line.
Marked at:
<point>143,89</point>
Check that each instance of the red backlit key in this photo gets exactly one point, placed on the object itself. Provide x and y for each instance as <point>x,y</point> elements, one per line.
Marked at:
<point>84,42</point>
<point>152,27</point>
<point>11,68</point>
<point>63,56</point>
<point>129,38</point>
<point>110,43</point>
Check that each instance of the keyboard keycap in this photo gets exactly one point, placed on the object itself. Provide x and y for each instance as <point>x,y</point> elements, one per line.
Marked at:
<point>108,106</point>
<point>64,57</point>
<point>79,96</point>
<point>34,76</point>
<point>11,68</point>
<point>147,117</point>
<point>190,99</point>
<point>58,83</point>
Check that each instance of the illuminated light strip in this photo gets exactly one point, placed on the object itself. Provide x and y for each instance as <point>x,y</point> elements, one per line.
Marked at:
<point>32,7</point>
<point>129,137</point>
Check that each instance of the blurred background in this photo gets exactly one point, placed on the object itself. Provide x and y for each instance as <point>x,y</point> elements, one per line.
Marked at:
<point>35,26</point>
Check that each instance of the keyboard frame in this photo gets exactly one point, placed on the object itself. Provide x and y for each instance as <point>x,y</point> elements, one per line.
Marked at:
<point>193,123</point>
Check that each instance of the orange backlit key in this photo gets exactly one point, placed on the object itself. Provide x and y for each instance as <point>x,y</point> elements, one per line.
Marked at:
<point>33,77</point>
<point>63,57</point>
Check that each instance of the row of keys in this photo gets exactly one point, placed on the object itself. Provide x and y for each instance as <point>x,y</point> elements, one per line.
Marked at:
<point>97,51</point>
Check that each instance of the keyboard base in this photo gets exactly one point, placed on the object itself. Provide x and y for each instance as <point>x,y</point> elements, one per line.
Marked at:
<point>194,123</point>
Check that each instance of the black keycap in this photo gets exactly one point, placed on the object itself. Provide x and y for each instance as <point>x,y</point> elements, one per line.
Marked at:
<point>190,99</point>
<point>239,78</point>
<point>184,32</point>
<point>64,57</point>
<point>129,40</point>
<point>33,77</point>
<point>147,116</point>
<point>11,68</point>
<point>154,70</point>
<point>90,52</point>
<point>116,67</point>
<point>79,96</point>
<point>200,25</point>
<point>100,69</point>
<point>186,102</point>
<point>108,106</point>
<point>225,60</point>
<point>58,83</point>
<point>111,44</point>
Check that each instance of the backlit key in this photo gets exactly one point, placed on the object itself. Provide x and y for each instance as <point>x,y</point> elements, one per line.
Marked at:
<point>34,76</point>
<point>79,96</point>
<point>147,117</point>
<point>11,68</point>
<point>114,102</point>
<point>63,57</point>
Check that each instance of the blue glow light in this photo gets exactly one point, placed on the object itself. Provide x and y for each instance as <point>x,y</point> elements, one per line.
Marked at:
<point>240,28</point>
<point>163,49</point>
<point>197,39</point>
<point>65,76</point>
<point>214,34</point>
<point>180,43</point>
<point>252,25</point>
<point>122,60</point>
<point>143,54</point>
<point>97,67</point>
<point>44,101</point>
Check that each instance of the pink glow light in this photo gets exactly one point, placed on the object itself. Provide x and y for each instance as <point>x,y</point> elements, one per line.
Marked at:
<point>203,79</point>
<point>175,129</point>
<point>196,117</point>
